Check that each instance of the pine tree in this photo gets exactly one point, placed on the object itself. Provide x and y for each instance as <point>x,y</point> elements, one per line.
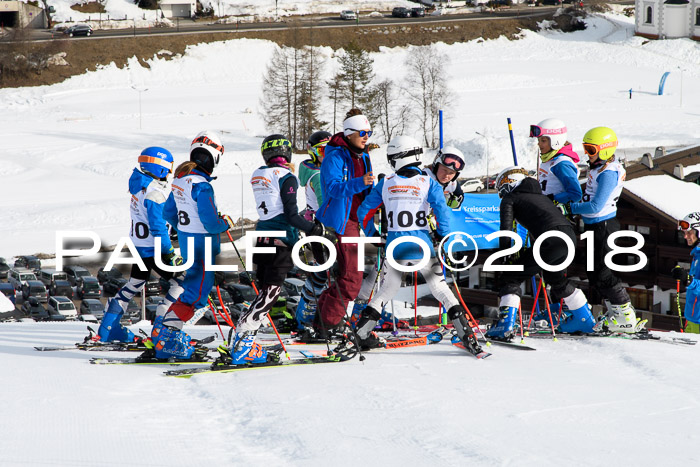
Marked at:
<point>355,76</point>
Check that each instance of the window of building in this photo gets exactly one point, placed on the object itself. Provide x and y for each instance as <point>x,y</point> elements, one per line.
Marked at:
<point>649,16</point>
<point>697,17</point>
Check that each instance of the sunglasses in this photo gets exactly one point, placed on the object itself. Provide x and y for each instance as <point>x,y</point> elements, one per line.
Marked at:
<point>537,131</point>
<point>362,133</point>
<point>452,161</point>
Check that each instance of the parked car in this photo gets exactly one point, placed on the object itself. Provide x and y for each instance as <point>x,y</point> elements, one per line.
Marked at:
<point>19,276</point>
<point>152,306</point>
<point>62,306</point>
<point>348,14</point>
<point>4,268</point>
<point>418,12</point>
<point>88,287</point>
<point>92,306</point>
<point>293,286</point>
<point>48,276</point>
<point>133,312</point>
<point>35,310</point>
<point>74,272</point>
<point>246,276</point>
<point>61,288</point>
<point>401,12</point>
<point>103,276</point>
<point>241,296</point>
<point>9,291</point>
<point>112,286</point>
<point>473,185</point>
<point>228,303</point>
<point>297,273</point>
<point>78,30</point>
<point>35,289</point>
<point>30,262</point>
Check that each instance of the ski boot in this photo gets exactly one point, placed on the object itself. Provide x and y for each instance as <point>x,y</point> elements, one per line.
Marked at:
<point>543,316</point>
<point>173,343</point>
<point>620,318</point>
<point>110,328</point>
<point>464,333</point>
<point>503,330</point>
<point>576,314</point>
<point>305,313</point>
<point>367,338</point>
<point>245,350</point>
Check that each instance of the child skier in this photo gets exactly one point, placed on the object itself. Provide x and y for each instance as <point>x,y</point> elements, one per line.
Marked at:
<point>690,225</point>
<point>316,282</point>
<point>598,209</point>
<point>408,195</point>
<point>522,201</point>
<point>148,186</point>
<point>558,172</point>
<point>275,188</point>
<point>191,208</point>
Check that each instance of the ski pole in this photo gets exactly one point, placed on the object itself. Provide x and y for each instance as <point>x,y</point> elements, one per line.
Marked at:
<point>415,302</point>
<point>512,142</point>
<point>678,302</point>
<point>536,303</point>
<point>224,311</point>
<point>252,282</point>
<point>549,311</point>
<point>520,315</point>
<point>213,308</point>
<point>313,291</point>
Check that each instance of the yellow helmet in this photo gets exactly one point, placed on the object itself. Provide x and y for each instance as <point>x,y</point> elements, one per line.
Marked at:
<point>600,141</point>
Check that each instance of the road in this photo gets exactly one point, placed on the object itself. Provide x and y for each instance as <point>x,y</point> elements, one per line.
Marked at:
<point>187,26</point>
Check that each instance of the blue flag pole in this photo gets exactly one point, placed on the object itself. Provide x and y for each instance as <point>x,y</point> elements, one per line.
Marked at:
<point>512,142</point>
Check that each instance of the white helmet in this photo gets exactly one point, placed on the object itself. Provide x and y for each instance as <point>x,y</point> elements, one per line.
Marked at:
<point>509,178</point>
<point>552,128</point>
<point>691,221</point>
<point>450,157</point>
<point>403,151</point>
<point>206,149</point>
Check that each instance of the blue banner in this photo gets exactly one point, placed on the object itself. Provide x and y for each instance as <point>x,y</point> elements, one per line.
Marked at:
<point>479,216</point>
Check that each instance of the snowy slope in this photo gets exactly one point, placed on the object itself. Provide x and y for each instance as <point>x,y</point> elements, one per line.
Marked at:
<point>595,402</point>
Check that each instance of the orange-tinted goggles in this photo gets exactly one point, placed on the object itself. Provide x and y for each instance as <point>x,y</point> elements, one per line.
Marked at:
<point>683,225</point>
<point>591,149</point>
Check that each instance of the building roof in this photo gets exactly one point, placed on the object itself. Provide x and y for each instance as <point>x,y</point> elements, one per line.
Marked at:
<point>672,198</point>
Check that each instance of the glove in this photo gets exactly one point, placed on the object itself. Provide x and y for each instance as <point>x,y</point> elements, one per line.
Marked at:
<point>680,274</point>
<point>455,201</point>
<point>323,231</point>
<point>172,259</point>
<point>432,222</point>
<point>228,220</point>
<point>565,208</point>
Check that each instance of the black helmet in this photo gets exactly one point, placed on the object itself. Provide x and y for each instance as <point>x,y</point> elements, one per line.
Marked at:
<point>206,150</point>
<point>317,140</point>
<point>276,146</point>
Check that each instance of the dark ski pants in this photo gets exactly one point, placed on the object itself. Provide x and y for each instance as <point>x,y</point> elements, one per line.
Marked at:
<point>601,277</point>
<point>333,302</point>
<point>553,251</point>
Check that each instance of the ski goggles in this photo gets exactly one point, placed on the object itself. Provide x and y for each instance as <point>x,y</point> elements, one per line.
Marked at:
<point>537,131</point>
<point>683,225</point>
<point>362,133</point>
<point>208,142</point>
<point>453,162</point>
<point>319,150</point>
<point>593,149</point>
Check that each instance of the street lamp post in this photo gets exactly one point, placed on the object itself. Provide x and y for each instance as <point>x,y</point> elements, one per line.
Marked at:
<point>487,160</point>
<point>139,90</point>
<point>239,168</point>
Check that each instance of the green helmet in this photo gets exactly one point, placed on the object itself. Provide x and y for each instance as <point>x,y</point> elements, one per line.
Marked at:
<point>600,141</point>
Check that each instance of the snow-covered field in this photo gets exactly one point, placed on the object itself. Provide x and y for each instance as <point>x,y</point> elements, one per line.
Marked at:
<point>68,150</point>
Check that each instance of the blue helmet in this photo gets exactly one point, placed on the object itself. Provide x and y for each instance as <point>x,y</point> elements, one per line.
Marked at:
<point>156,161</point>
